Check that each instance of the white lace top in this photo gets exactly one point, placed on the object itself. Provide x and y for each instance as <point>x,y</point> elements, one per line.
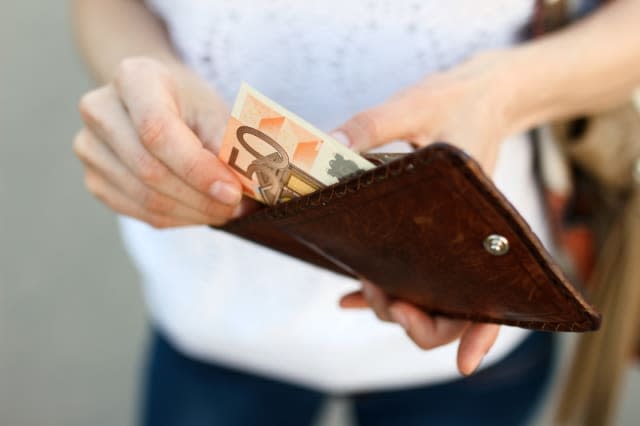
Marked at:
<point>232,302</point>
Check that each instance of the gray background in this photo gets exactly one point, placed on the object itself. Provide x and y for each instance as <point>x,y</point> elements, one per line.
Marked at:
<point>72,321</point>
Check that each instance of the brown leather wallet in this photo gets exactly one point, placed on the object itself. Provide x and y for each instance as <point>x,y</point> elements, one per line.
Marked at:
<point>431,228</point>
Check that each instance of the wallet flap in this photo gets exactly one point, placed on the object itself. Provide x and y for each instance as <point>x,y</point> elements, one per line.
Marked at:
<point>417,227</point>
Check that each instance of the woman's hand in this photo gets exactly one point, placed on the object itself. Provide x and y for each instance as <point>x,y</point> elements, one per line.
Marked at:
<point>428,331</point>
<point>466,107</point>
<point>149,144</point>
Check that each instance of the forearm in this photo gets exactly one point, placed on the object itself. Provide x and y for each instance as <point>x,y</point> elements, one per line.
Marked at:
<point>587,67</point>
<point>109,31</point>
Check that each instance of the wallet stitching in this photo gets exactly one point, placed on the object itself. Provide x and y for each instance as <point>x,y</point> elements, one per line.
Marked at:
<point>537,325</point>
<point>288,219</point>
<point>292,207</point>
<point>517,228</point>
<point>487,196</point>
<point>315,200</point>
<point>282,212</point>
<point>408,164</point>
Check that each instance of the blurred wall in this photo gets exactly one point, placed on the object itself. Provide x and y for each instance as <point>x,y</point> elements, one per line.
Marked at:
<point>72,323</point>
<point>71,314</point>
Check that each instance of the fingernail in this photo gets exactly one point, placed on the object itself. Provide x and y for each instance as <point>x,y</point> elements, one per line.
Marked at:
<point>475,368</point>
<point>225,192</point>
<point>398,316</point>
<point>238,211</point>
<point>341,137</point>
<point>366,290</point>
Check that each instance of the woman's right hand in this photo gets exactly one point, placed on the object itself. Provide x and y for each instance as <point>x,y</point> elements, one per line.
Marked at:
<point>149,147</point>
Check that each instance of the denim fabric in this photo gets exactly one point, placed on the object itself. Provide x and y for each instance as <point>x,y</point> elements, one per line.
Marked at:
<point>181,391</point>
<point>506,393</point>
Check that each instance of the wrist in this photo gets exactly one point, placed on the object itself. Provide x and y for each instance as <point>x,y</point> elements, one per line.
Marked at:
<point>504,86</point>
<point>495,92</point>
<point>528,94</point>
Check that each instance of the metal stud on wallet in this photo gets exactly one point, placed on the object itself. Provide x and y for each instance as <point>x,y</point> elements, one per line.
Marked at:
<point>431,228</point>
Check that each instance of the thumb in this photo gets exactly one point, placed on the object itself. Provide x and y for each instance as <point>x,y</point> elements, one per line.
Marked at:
<point>396,119</point>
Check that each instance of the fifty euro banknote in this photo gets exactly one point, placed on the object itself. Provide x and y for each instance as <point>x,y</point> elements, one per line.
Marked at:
<point>277,155</point>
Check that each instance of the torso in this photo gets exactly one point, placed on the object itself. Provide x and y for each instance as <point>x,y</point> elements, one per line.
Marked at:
<point>229,301</point>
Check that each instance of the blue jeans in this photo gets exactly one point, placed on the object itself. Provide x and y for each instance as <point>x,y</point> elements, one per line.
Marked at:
<point>181,391</point>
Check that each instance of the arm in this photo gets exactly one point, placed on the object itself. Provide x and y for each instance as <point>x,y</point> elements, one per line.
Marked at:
<point>151,127</point>
<point>585,68</point>
<point>590,66</point>
<point>109,31</point>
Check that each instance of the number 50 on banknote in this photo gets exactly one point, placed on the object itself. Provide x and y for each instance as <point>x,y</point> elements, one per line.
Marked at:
<point>277,155</point>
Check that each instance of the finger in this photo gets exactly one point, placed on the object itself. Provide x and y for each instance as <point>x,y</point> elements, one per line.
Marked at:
<point>247,206</point>
<point>97,155</point>
<point>425,330</point>
<point>377,300</point>
<point>399,118</point>
<point>354,300</point>
<point>106,117</point>
<point>117,201</point>
<point>162,131</point>
<point>475,342</point>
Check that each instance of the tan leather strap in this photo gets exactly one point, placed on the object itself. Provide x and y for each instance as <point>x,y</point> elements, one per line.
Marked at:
<point>549,15</point>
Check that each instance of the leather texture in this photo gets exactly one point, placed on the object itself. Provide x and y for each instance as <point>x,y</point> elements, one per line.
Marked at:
<point>415,226</point>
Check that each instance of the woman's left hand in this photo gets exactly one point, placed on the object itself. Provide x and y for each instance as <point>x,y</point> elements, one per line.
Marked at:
<point>468,107</point>
<point>427,331</point>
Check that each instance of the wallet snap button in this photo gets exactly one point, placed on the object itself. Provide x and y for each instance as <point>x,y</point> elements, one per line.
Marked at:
<point>497,245</point>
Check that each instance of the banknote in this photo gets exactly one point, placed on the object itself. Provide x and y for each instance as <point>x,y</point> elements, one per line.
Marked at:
<point>277,155</point>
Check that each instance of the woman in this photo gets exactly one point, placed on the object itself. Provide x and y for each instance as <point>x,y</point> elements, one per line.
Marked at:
<point>247,336</point>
